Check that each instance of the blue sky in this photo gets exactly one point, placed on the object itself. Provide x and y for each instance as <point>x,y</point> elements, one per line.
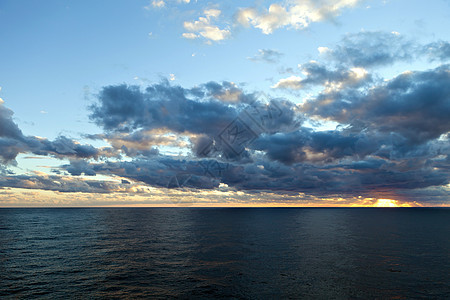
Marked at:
<point>58,59</point>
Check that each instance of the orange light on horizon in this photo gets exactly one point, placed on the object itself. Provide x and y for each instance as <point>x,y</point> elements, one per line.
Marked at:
<point>390,203</point>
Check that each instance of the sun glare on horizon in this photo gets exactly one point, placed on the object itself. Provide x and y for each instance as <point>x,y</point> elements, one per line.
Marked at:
<point>389,203</point>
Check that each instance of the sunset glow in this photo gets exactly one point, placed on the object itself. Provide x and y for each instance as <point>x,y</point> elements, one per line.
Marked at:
<point>386,203</point>
<point>191,103</point>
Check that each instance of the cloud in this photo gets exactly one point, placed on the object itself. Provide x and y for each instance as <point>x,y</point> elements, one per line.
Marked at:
<point>383,145</point>
<point>306,145</point>
<point>78,167</point>
<point>210,111</point>
<point>205,109</point>
<point>414,105</point>
<point>125,108</point>
<point>13,142</point>
<point>227,92</point>
<point>371,49</point>
<point>267,55</point>
<point>347,178</point>
<point>163,3</point>
<point>319,74</point>
<point>62,147</point>
<point>190,35</point>
<point>8,129</point>
<point>158,3</point>
<point>438,51</point>
<point>203,27</point>
<point>143,142</point>
<point>351,62</point>
<point>65,184</point>
<point>291,82</point>
<point>294,14</point>
<point>392,138</point>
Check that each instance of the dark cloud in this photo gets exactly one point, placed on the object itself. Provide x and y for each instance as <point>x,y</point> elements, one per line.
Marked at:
<point>387,140</point>
<point>63,184</point>
<point>5,171</point>
<point>8,129</point>
<point>138,143</point>
<point>126,108</point>
<point>11,137</point>
<point>226,92</point>
<point>9,148</point>
<point>434,195</point>
<point>325,147</point>
<point>392,138</point>
<point>78,167</point>
<point>197,112</point>
<point>316,163</point>
<point>62,147</point>
<point>415,105</point>
<point>286,148</point>
<point>320,74</point>
<point>13,142</point>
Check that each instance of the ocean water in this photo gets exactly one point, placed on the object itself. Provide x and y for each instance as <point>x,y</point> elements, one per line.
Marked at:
<point>240,253</point>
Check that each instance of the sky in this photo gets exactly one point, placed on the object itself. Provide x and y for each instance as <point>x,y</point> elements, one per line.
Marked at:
<point>224,103</point>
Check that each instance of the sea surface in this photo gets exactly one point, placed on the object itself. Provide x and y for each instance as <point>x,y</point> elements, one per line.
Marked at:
<point>232,253</point>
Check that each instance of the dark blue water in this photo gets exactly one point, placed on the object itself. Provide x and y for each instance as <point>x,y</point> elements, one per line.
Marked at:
<point>225,253</point>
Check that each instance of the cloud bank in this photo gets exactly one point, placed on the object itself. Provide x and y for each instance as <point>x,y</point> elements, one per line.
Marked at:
<point>392,138</point>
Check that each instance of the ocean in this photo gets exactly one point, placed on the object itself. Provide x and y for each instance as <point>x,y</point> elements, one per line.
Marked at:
<point>232,253</point>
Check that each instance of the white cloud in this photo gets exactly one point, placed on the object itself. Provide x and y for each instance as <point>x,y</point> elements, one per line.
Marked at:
<point>212,13</point>
<point>158,3</point>
<point>172,77</point>
<point>358,73</point>
<point>297,14</point>
<point>203,27</point>
<point>190,35</point>
<point>323,50</point>
<point>164,3</point>
<point>292,82</point>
